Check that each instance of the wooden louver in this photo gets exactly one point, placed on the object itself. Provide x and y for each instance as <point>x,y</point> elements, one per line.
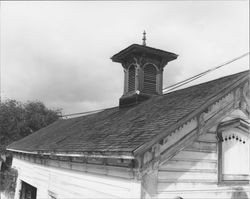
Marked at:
<point>131,78</point>
<point>149,85</point>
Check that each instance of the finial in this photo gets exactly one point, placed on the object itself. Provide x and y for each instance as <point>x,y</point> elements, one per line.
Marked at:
<point>144,38</point>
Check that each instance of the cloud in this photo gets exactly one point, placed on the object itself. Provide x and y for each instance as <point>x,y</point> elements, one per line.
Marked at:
<point>59,52</point>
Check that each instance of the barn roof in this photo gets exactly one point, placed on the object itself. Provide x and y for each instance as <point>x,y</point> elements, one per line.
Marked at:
<point>124,130</point>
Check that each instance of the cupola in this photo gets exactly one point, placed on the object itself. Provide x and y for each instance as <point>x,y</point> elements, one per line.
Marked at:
<point>143,71</point>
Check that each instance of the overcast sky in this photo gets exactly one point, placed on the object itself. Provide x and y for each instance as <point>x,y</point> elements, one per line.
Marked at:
<point>59,52</point>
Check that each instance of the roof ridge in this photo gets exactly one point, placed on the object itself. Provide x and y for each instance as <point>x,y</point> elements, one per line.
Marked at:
<point>91,112</point>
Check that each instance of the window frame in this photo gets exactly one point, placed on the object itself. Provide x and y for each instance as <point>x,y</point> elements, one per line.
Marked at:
<point>28,190</point>
<point>243,126</point>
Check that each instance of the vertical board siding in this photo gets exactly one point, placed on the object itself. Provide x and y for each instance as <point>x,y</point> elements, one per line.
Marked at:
<point>193,174</point>
<point>73,184</point>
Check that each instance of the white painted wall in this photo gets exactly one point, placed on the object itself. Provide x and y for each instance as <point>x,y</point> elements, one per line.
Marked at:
<point>193,174</point>
<point>66,183</point>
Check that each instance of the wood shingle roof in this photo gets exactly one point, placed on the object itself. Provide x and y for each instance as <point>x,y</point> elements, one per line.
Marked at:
<point>124,130</point>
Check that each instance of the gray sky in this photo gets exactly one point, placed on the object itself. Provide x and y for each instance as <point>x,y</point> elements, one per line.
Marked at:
<point>59,52</point>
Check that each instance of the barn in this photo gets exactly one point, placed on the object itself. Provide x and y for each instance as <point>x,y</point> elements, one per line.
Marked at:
<point>191,143</point>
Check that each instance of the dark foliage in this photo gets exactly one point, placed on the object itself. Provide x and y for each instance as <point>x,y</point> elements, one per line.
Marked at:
<point>8,181</point>
<point>18,120</point>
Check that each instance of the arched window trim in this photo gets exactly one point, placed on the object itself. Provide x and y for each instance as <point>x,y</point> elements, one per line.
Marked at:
<point>149,63</point>
<point>243,129</point>
<point>131,66</point>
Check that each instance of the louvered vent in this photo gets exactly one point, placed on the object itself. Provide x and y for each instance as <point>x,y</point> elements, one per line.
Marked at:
<point>149,85</point>
<point>131,78</point>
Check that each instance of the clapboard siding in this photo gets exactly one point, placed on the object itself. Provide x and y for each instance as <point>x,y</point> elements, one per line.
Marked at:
<point>178,185</point>
<point>193,174</point>
<point>202,146</point>
<point>195,155</point>
<point>185,165</point>
<point>208,137</point>
<point>120,170</point>
<point>71,184</point>
<point>185,186</point>
<point>186,175</point>
<point>207,194</point>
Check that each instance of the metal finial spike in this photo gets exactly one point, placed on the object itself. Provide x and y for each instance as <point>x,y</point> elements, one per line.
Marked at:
<point>144,38</point>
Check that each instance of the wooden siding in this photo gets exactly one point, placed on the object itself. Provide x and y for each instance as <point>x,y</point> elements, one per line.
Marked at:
<point>67,183</point>
<point>193,174</point>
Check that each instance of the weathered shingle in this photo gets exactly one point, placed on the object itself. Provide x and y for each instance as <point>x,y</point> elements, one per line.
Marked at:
<point>126,129</point>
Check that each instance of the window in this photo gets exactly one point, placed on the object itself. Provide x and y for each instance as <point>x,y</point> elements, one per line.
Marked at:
<point>131,78</point>
<point>233,153</point>
<point>149,85</point>
<point>27,191</point>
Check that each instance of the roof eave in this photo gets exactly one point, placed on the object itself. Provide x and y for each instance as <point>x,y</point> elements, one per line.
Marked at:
<point>119,57</point>
<point>116,155</point>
